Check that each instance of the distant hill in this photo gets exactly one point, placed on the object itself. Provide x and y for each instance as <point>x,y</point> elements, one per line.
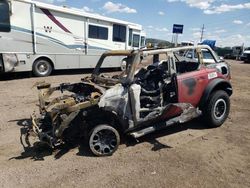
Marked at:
<point>158,43</point>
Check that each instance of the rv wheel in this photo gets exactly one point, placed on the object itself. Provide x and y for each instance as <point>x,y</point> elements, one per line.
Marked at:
<point>123,65</point>
<point>42,68</point>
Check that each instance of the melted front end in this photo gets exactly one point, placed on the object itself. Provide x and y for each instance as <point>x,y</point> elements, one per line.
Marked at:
<point>59,106</point>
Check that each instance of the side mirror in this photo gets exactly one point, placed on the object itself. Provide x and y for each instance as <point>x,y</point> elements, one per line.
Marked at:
<point>221,59</point>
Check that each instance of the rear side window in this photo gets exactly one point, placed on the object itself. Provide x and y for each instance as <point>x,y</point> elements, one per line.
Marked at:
<point>142,41</point>
<point>97,32</point>
<point>136,40</point>
<point>119,33</point>
<point>130,37</point>
<point>4,16</point>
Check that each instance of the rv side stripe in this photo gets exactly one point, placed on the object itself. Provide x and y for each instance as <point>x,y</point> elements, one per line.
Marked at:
<point>51,39</point>
<point>52,17</point>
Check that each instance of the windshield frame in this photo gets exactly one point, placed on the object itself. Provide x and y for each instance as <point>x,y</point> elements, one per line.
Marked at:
<point>133,58</point>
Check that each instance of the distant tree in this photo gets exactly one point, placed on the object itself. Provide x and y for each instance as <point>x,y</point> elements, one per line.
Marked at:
<point>225,51</point>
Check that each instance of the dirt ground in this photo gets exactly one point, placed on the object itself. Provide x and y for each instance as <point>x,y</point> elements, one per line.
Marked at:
<point>190,155</point>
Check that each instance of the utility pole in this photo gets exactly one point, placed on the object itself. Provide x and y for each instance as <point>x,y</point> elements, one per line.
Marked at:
<point>202,32</point>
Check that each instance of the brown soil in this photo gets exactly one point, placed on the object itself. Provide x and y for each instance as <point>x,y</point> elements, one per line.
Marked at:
<point>190,155</point>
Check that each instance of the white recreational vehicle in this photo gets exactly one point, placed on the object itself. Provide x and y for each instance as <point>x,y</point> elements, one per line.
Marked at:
<point>40,37</point>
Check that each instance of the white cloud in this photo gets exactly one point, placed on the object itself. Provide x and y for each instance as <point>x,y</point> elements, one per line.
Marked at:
<point>209,7</point>
<point>158,32</point>
<point>201,4</point>
<point>233,40</point>
<point>220,31</point>
<point>248,24</point>
<point>195,29</point>
<point>228,40</point>
<point>238,22</point>
<point>161,13</point>
<point>84,9</point>
<point>164,29</point>
<point>87,9</point>
<point>159,29</point>
<point>111,7</point>
<point>226,8</point>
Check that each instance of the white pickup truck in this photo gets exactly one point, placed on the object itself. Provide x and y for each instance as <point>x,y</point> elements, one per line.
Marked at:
<point>246,55</point>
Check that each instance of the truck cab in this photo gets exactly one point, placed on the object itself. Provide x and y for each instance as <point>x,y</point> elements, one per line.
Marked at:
<point>246,56</point>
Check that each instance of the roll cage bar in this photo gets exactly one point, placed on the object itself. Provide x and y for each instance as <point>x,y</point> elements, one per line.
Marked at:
<point>134,57</point>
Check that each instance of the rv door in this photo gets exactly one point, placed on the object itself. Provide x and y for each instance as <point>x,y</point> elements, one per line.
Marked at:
<point>4,16</point>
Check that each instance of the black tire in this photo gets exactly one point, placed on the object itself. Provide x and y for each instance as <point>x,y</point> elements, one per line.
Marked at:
<point>217,109</point>
<point>42,68</point>
<point>104,140</point>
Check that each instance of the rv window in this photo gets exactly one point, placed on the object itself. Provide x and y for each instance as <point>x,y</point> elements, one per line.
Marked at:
<point>136,40</point>
<point>4,16</point>
<point>119,33</point>
<point>130,37</point>
<point>142,41</point>
<point>97,32</point>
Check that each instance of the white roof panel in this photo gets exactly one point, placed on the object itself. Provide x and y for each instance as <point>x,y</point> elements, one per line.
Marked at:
<point>82,13</point>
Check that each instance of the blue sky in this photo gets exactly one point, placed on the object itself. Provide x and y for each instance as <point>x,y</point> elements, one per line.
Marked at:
<point>226,21</point>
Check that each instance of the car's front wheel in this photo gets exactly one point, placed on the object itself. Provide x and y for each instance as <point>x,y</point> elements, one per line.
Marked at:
<point>104,140</point>
<point>217,109</point>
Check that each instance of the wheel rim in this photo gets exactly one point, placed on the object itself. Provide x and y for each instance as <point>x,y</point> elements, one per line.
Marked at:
<point>123,65</point>
<point>42,67</point>
<point>103,142</point>
<point>220,109</point>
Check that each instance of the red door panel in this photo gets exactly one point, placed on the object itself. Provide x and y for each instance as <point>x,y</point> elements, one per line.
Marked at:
<point>191,86</point>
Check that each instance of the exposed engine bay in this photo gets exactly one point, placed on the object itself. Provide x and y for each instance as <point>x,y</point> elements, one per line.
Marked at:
<point>56,113</point>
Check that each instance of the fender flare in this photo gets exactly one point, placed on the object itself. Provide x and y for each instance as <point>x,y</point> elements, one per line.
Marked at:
<point>109,112</point>
<point>216,84</point>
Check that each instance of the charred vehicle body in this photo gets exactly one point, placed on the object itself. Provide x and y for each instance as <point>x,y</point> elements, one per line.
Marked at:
<point>138,101</point>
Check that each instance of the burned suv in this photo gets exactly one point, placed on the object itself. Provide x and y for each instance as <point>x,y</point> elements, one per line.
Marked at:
<point>137,101</point>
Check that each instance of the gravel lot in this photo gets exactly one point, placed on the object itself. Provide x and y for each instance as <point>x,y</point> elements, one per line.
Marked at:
<point>181,156</point>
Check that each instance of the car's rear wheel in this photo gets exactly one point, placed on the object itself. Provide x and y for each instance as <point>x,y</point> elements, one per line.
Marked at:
<point>104,140</point>
<point>217,109</point>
